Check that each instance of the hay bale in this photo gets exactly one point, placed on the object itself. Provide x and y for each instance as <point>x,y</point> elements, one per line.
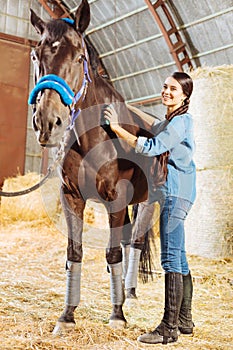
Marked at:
<point>41,204</point>
<point>211,106</point>
<point>209,226</point>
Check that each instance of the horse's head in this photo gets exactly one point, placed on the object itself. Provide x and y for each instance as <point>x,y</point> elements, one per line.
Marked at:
<point>60,73</point>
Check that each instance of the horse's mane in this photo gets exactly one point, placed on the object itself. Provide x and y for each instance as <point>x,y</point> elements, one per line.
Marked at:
<point>96,63</point>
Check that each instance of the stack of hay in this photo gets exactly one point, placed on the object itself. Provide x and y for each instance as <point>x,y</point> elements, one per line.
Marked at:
<point>39,205</point>
<point>42,206</point>
<point>209,226</point>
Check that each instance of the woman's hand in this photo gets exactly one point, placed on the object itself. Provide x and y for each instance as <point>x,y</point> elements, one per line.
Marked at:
<point>111,115</point>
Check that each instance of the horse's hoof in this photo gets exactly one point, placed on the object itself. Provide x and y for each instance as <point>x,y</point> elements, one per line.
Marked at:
<point>63,327</point>
<point>131,302</point>
<point>117,324</point>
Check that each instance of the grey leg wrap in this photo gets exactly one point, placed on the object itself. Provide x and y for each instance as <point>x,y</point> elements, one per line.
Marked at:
<point>73,282</point>
<point>125,259</point>
<point>116,286</point>
<point>132,273</point>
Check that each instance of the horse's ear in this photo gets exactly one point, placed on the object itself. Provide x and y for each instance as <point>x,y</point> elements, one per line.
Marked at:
<point>37,22</point>
<point>82,16</point>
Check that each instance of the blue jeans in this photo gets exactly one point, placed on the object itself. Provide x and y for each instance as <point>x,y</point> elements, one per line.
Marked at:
<point>172,236</point>
<point>173,211</point>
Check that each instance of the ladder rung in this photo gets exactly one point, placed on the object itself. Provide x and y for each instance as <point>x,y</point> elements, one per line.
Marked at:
<point>185,60</point>
<point>158,4</point>
<point>178,47</point>
<point>172,31</point>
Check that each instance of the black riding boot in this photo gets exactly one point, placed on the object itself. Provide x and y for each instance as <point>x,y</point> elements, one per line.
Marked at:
<point>185,323</point>
<point>166,332</point>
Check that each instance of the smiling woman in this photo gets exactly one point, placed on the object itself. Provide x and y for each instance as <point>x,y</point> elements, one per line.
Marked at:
<point>175,140</point>
<point>172,94</point>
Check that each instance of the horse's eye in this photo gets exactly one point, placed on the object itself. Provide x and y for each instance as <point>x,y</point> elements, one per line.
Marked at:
<point>33,56</point>
<point>81,58</point>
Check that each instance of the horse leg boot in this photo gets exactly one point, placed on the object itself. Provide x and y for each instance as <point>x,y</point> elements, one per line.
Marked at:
<point>185,323</point>
<point>125,260</point>
<point>66,321</point>
<point>73,208</point>
<point>117,319</point>
<point>132,275</point>
<point>142,223</point>
<point>166,332</point>
<point>125,244</point>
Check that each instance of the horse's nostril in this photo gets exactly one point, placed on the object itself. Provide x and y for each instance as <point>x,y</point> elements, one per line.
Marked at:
<point>58,121</point>
<point>50,127</point>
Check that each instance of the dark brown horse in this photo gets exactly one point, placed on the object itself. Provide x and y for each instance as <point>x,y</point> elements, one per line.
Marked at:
<point>68,99</point>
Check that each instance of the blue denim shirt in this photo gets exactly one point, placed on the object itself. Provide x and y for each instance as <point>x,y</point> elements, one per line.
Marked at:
<point>177,138</point>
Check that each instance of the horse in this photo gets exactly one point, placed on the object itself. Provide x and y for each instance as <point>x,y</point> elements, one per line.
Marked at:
<point>68,101</point>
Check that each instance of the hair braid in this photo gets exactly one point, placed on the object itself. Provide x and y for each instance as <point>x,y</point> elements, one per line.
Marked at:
<point>181,110</point>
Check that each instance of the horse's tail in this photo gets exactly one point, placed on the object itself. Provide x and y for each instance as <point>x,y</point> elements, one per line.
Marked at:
<point>146,264</point>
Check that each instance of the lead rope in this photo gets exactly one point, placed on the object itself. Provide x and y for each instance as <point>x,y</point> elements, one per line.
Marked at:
<point>59,157</point>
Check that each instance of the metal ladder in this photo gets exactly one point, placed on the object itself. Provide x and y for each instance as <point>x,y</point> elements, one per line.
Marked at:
<point>171,34</point>
<point>55,8</point>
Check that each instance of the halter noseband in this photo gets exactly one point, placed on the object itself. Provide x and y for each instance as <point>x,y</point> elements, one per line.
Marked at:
<point>54,82</point>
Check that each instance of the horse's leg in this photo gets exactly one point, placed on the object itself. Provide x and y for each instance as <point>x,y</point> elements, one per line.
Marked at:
<point>114,261</point>
<point>73,208</point>
<point>125,244</point>
<point>141,225</point>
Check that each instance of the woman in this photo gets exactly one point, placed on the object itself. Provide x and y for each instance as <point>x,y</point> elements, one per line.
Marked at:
<point>176,197</point>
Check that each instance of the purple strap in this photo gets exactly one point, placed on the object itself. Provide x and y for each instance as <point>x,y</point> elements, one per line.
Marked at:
<point>74,113</point>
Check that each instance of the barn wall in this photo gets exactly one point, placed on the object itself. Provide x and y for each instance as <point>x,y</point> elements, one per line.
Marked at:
<point>14,21</point>
<point>14,71</point>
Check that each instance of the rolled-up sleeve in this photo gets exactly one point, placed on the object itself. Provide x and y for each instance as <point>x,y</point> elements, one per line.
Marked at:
<point>172,135</point>
<point>149,147</point>
<point>141,140</point>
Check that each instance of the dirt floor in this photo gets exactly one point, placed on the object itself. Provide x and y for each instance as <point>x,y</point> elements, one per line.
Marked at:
<point>32,291</point>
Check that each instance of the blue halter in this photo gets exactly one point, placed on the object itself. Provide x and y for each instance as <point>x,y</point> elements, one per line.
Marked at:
<point>54,82</point>
<point>68,20</point>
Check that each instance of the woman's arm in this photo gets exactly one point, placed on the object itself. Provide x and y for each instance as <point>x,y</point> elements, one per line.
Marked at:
<point>125,135</point>
<point>144,116</point>
<point>173,134</point>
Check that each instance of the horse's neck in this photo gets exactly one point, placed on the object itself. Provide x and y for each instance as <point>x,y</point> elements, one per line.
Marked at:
<point>100,91</point>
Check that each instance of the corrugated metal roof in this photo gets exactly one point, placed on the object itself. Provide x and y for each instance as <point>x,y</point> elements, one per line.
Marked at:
<point>134,51</point>
<point>130,43</point>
